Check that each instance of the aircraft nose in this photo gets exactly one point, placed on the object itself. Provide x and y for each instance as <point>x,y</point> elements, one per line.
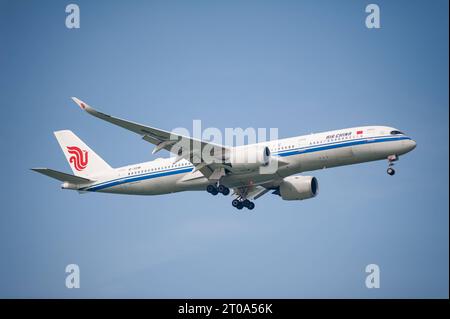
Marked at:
<point>411,144</point>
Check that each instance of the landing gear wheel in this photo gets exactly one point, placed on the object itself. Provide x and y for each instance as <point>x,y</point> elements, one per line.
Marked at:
<point>246,203</point>
<point>235,203</point>
<point>240,205</point>
<point>390,171</point>
<point>223,189</point>
<point>212,189</point>
<point>251,206</point>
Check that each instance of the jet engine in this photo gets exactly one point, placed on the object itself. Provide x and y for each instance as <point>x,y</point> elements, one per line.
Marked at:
<point>249,158</point>
<point>298,187</point>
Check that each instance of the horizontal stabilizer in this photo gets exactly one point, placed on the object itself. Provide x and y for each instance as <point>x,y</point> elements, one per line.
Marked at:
<point>63,177</point>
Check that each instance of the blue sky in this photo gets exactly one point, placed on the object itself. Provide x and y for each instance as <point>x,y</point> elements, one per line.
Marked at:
<point>300,66</point>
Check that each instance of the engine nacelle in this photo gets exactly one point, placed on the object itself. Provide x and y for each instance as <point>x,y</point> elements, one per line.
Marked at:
<point>299,187</point>
<point>249,158</point>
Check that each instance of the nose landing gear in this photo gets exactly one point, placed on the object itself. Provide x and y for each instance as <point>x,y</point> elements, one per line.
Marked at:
<point>391,160</point>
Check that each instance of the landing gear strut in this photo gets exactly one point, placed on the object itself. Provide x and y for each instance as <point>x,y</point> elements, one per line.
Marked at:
<point>391,160</point>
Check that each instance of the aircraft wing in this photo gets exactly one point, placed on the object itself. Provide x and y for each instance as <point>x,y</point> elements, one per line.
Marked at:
<point>257,192</point>
<point>251,191</point>
<point>183,147</point>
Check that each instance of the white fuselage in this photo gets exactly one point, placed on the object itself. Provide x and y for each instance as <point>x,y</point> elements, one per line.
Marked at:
<point>302,153</point>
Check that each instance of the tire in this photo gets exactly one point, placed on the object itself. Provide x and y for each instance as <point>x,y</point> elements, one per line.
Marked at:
<point>251,206</point>
<point>390,171</point>
<point>221,188</point>
<point>235,203</point>
<point>210,189</point>
<point>246,203</point>
<point>240,205</point>
<point>226,191</point>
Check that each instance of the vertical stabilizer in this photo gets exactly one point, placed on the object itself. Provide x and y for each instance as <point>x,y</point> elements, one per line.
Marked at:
<point>82,159</point>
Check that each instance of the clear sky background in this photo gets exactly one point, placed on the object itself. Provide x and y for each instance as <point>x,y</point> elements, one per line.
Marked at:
<point>300,66</point>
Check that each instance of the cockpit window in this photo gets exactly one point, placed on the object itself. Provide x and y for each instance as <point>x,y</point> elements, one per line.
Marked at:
<point>397,133</point>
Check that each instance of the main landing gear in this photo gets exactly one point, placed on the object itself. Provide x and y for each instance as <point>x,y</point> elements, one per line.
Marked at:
<point>391,160</point>
<point>212,189</point>
<point>239,204</point>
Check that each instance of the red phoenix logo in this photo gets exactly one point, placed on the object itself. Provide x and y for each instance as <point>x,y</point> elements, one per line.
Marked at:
<point>79,158</point>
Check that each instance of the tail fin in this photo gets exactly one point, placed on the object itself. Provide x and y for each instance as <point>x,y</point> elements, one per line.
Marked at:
<point>83,161</point>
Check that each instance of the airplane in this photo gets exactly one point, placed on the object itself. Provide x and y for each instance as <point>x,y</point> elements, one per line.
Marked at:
<point>230,169</point>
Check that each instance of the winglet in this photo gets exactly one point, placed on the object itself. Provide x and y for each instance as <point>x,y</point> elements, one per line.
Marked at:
<point>86,107</point>
<point>80,103</point>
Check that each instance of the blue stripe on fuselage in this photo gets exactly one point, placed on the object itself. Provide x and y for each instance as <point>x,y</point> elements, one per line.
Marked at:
<point>311,149</point>
<point>302,150</point>
<point>138,178</point>
<point>133,176</point>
